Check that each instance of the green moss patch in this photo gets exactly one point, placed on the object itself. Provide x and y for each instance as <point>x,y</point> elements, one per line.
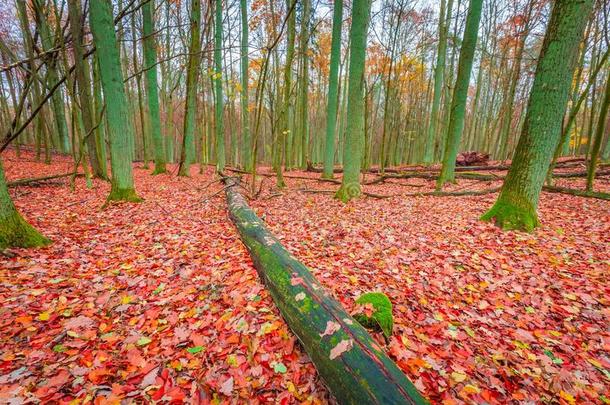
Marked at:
<point>379,317</point>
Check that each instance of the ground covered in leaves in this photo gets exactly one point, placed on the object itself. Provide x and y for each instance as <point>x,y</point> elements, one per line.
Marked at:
<point>159,300</point>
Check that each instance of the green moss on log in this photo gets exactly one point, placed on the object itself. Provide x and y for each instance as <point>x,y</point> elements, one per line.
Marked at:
<point>352,364</point>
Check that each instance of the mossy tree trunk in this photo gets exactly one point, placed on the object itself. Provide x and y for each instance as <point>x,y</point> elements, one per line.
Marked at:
<point>333,95</point>
<point>150,65</point>
<point>599,134</point>
<point>354,367</point>
<point>460,94</point>
<point>516,206</point>
<point>245,114</point>
<point>439,73</point>
<point>120,126</point>
<point>218,118</point>
<point>82,74</point>
<point>14,230</point>
<point>57,101</point>
<point>192,78</point>
<point>354,138</point>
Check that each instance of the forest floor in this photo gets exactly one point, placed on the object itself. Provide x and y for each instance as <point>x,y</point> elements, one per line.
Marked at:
<point>160,301</point>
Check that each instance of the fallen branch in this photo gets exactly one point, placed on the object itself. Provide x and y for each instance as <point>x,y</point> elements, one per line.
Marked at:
<point>352,364</point>
<point>579,193</point>
<point>25,182</point>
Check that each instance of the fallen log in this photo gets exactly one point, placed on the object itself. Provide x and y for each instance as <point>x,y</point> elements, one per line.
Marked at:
<point>579,193</point>
<point>354,367</point>
<point>25,182</point>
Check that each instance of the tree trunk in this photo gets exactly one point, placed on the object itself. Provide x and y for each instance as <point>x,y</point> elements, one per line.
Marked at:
<point>192,75</point>
<point>14,230</point>
<point>120,126</point>
<point>354,139</point>
<point>245,114</point>
<point>599,134</point>
<point>333,84</point>
<point>220,138</point>
<point>516,206</point>
<point>354,367</point>
<point>150,65</point>
<point>460,94</point>
<point>439,73</point>
<point>83,82</point>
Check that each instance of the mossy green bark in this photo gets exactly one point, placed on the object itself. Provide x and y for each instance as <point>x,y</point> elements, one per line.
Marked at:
<point>333,86</point>
<point>152,94</point>
<point>354,138</point>
<point>244,99</point>
<point>121,131</point>
<point>14,230</point>
<point>599,134</point>
<point>439,73</point>
<point>460,94</point>
<point>220,137</point>
<point>354,367</point>
<point>192,78</point>
<point>516,206</point>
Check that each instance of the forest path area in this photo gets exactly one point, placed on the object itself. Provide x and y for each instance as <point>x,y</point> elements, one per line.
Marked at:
<point>159,300</point>
<point>150,301</point>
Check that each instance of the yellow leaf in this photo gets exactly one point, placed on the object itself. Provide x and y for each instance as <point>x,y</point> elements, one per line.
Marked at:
<point>458,377</point>
<point>44,316</point>
<point>567,396</point>
<point>595,363</point>
<point>471,389</point>
<point>126,299</point>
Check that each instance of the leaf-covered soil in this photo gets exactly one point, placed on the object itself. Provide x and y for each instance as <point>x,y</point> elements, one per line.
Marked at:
<point>159,300</point>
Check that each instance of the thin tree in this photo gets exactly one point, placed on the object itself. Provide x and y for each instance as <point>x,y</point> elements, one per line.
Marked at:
<point>220,139</point>
<point>516,206</point>
<point>245,114</point>
<point>354,138</point>
<point>150,65</point>
<point>333,86</point>
<point>599,134</point>
<point>83,81</point>
<point>120,126</point>
<point>460,93</point>
<point>192,75</point>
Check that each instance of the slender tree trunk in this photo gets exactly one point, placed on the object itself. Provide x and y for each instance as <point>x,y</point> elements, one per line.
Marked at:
<point>220,138</point>
<point>120,126</point>
<point>83,82</point>
<point>57,99</point>
<point>245,114</point>
<point>192,74</point>
<point>516,206</point>
<point>439,74</point>
<point>350,185</point>
<point>150,65</point>
<point>333,84</point>
<point>458,104</point>
<point>599,134</point>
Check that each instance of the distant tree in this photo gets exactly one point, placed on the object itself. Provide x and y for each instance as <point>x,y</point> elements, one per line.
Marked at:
<point>150,66</point>
<point>599,134</point>
<point>516,206</point>
<point>41,10</point>
<point>83,82</point>
<point>460,93</point>
<point>354,138</point>
<point>220,139</point>
<point>14,230</point>
<point>192,75</point>
<point>439,74</point>
<point>120,126</point>
<point>333,85</point>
